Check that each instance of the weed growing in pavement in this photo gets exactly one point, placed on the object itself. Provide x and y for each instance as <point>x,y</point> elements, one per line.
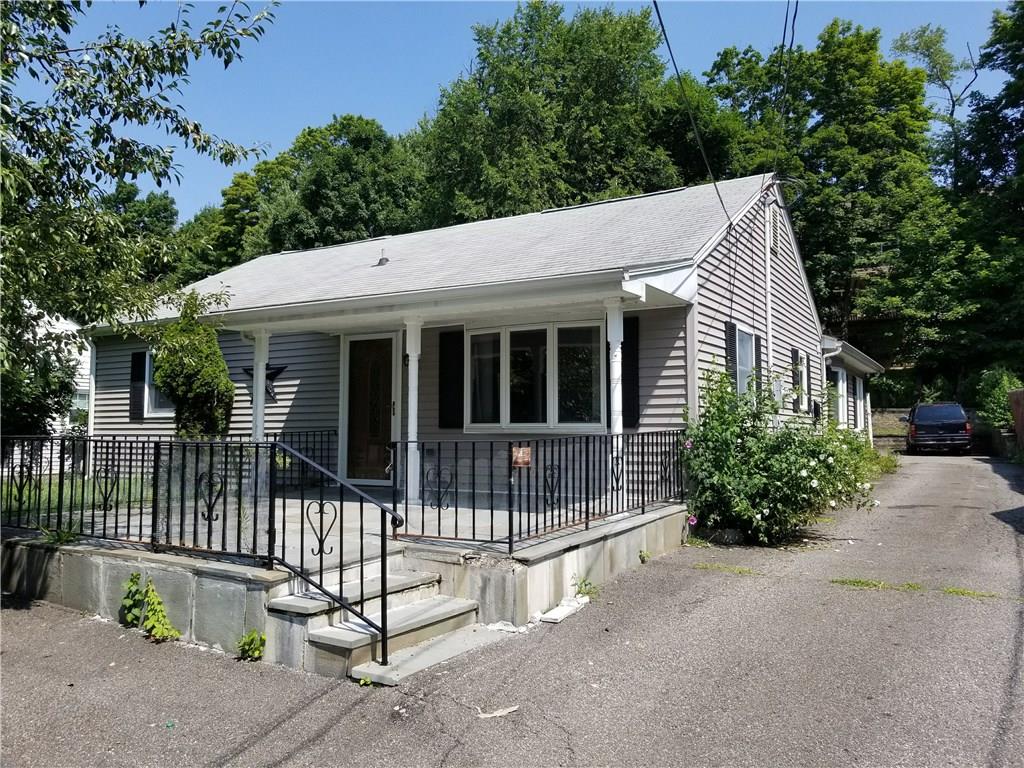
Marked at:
<point>585,588</point>
<point>645,557</point>
<point>962,592</point>
<point>66,535</point>
<point>365,682</point>
<point>907,586</point>
<point>251,645</point>
<point>736,570</point>
<point>697,541</point>
<point>143,608</point>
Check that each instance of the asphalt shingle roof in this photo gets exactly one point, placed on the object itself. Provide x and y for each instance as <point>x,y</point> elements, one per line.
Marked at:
<point>624,233</point>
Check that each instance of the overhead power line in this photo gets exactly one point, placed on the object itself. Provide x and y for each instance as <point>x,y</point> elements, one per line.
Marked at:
<point>689,111</point>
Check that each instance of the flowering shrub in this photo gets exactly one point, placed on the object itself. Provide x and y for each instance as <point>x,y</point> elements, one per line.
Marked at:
<point>766,480</point>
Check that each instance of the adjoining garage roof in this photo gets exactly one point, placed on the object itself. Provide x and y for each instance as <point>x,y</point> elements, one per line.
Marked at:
<point>627,233</point>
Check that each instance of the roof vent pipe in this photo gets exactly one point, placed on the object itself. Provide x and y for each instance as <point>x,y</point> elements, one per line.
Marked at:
<point>382,260</point>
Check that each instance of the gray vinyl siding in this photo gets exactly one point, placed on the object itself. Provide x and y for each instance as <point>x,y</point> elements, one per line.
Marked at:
<point>732,284</point>
<point>662,368</point>
<point>731,288</point>
<point>307,391</point>
<point>793,323</point>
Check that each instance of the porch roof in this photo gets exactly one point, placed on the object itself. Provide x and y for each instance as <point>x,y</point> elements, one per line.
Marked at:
<point>631,233</point>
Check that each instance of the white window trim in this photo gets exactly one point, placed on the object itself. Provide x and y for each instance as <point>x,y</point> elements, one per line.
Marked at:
<point>805,381</point>
<point>842,406</point>
<point>858,402</point>
<point>149,410</point>
<point>753,347</point>
<point>552,423</point>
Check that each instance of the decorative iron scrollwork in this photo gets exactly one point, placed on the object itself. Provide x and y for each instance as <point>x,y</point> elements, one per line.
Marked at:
<point>552,482</point>
<point>439,483</point>
<point>22,474</point>
<point>616,473</point>
<point>107,478</point>
<point>323,508</point>
<point>211,488</point>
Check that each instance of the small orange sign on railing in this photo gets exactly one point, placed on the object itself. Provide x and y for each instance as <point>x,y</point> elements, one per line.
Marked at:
<point>522,457</point>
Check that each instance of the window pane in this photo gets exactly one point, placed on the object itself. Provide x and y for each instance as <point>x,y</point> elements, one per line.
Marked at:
<point>528,402</point>
<point>485,378</point>
<point>744,360</point>
<point>579,375</point>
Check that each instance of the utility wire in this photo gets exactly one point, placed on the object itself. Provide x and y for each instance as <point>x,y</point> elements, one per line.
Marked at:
<point>689,111</point>
<point>783,100</point>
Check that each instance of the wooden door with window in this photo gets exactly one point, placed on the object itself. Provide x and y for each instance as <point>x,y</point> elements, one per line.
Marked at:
<point>370,408</point>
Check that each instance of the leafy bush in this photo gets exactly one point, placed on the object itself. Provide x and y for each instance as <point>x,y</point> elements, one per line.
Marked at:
<point>189,368</point>
<point>251,645</point>
<point>993,396</point>
<point>767,480</point>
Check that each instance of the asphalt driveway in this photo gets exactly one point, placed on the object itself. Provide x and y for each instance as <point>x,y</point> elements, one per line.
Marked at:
<point>709,656</point>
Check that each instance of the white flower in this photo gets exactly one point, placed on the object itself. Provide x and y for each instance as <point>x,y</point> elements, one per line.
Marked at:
<point>765,511</point>
<point>758,516</point>
<point>822,457</point>
<point>803,473</point>
<point>814,483</point>
<point>830,460</point>
<point>814,463</point>
<point>875,503</point>
<point>832,504</point>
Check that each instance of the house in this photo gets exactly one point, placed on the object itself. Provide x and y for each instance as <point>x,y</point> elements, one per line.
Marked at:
<point>847,370</point>
<point>593,319</point>
<point>431,430</point>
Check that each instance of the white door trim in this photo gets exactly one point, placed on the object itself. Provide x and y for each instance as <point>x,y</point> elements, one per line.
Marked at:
<point>396,399</point>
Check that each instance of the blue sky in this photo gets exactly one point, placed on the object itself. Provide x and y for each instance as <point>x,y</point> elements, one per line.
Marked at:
<point>388,60</point>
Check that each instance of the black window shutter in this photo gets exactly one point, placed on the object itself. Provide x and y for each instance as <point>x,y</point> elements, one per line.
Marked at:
<point>758,376</point>
<point>450,380</point>
<point>730,351</point>
<point>137,392</point>
<point>807,385</point>
<point>795,353</point>
<point>631,372</point>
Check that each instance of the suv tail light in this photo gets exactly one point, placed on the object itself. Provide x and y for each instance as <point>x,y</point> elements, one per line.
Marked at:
<point>913,430</point>
<point>968,428</point>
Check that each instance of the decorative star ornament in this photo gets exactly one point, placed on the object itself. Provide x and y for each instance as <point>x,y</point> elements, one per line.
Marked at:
<point>273,371</point>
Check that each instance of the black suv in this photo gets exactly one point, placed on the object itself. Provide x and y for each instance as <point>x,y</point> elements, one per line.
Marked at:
<point>938,425</point>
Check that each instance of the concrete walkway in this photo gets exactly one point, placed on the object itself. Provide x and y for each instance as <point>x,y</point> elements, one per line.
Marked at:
<point>710,656</point>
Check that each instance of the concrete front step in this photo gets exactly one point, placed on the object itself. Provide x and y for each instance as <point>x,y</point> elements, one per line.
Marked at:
<point>404,587</point>
<point>429,653</point>
<point>337,649</point>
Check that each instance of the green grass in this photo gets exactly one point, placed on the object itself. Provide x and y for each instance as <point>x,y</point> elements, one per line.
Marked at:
<point>907,586</point>
<point>736,570</point>
<point>697,541</point>
<point>962,592</point>
<point>822,519</point>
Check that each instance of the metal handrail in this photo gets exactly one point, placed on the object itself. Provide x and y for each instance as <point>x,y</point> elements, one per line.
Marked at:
<point>396,519</point>
<point>339,599</point>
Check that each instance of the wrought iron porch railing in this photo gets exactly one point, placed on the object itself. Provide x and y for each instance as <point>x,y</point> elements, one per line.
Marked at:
<point>512,490</point>
<point>265,501</point>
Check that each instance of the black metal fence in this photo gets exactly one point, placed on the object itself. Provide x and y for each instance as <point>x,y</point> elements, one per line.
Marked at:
<point>512,490</point>
<point>264,500</point>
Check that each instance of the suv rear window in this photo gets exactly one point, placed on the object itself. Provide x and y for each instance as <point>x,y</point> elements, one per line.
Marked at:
<point>933,414</point>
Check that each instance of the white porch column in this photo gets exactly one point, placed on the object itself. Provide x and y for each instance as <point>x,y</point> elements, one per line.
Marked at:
<point>260,357</point>
<point>693,365</point>
<point>613,309</point>
<point>413,346</point>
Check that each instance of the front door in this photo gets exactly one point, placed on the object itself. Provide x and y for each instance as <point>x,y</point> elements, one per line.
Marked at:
<point>370,408</point>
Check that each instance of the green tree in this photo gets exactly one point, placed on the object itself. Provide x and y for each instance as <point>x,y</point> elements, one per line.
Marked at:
<point>64,254</point>
<point>189,368</point>
<point>150,219</point>
<point>927,46</point>
<point>554,112</point>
